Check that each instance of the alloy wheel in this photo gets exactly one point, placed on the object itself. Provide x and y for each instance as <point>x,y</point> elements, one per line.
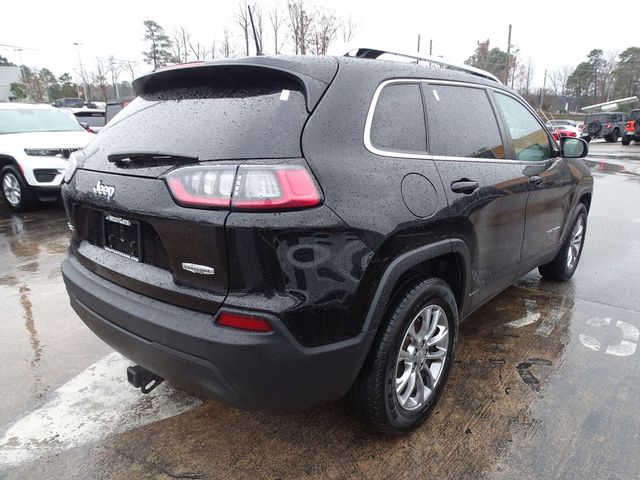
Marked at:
<point>422,356</point>
<point>577,237</point>
<point>11,189</point>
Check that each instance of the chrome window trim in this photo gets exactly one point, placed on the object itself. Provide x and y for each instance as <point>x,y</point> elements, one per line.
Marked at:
<point>425,156</point>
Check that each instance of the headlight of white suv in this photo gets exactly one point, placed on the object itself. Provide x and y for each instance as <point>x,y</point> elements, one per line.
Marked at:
<point>72,165</point>
<point>42,152</point>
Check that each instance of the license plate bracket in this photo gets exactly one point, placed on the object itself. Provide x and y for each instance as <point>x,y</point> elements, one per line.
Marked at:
<point>122,236</point>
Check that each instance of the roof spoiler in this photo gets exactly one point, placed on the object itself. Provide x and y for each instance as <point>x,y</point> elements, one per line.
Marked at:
<point>375,53</point>
<point>159,80</point>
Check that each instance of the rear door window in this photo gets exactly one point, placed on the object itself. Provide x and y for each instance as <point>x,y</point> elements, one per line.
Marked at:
<point>398,120</point>
<point>530,139</point>
<point>462,122</point>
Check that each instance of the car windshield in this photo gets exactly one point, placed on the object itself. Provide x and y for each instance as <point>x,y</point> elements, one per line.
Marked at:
<point>24,120</point>
<point>635,115</point>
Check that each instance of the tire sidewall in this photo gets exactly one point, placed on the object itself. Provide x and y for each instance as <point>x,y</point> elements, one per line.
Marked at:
<point>27,199</point>
<point>436,293</point>
<point>582,212</point>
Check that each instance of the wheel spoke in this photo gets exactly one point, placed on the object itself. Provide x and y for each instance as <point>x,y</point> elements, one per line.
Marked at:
<point>420,393</point>
<point>406,356</point>
<point>409,390</point>
<point>402,381</point>
<point>440,353</point>
<point>443,335</point>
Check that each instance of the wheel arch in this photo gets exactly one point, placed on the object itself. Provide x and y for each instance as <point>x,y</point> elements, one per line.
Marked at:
<point>447,259</point>
<point>7,160</point>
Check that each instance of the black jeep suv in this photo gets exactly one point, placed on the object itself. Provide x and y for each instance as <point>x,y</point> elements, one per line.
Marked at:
<point>277,232</point>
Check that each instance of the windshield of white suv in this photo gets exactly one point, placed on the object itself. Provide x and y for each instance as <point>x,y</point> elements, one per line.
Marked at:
<point>23,120</point>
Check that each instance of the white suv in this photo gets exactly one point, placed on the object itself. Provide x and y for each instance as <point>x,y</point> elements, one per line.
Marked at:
<point>35,144</point>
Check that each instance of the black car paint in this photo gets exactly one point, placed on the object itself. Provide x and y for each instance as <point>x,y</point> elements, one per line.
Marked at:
<point>323,276</point>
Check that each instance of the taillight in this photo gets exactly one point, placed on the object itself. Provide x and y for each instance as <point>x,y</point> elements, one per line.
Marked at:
<point>202,186</point>
<point>274,187</point>
<point>608,125</point>
<point>248,187</point>
<point>629,126</point>
<point>242,322</point>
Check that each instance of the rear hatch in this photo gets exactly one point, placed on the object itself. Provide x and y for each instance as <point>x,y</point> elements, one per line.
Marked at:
<point>128,227</point>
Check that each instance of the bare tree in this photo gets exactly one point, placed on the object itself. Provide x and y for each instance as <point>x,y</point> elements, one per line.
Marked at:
<point>348,28</point>
<point>115,69</point>
<point>242,18</point>
<point>131,68</point>
<point>199,51</point>
<point>300,22</point>
<point>558,79</point>
<point>180,44</point>
<point>256,11</point>
<point>225,48</point>
<point>608,66</point>
<point>213,50</point>
<point>100,78</point>
<point>326,28</point>
<point>277,20</point>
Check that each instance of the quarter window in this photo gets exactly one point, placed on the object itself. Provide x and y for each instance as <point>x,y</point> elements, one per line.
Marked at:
<point>461,122</point>
<point>530,141</point>
<point>398,120</point>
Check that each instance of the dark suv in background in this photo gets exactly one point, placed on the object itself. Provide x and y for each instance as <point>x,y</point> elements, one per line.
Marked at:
<point>278,232</point>
<point>604,125</point>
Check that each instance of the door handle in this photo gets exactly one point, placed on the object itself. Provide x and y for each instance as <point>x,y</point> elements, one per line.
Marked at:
<point>535,179</point>
<point>465,186</point>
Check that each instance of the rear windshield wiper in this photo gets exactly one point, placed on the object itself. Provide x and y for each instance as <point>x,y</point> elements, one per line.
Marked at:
<point>137,159</point>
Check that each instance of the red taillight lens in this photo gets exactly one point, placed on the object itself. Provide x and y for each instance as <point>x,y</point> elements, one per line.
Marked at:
<point>629,126</point>
<point>202,186</point>
<point>608,125</point>
<point>274,187</point>
<point>248,187</point>
<point>242,322</point>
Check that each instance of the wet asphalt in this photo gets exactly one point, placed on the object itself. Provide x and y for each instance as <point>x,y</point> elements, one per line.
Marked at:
<point>546,382</point>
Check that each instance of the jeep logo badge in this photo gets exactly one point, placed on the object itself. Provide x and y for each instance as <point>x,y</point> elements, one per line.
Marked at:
<point>104,190</point>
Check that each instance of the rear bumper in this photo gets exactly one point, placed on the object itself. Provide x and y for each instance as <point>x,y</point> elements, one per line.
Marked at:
<point>269,371</point>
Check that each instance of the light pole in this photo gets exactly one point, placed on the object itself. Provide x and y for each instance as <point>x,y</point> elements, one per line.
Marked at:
<point>19,50</point>
<point>84,84</point>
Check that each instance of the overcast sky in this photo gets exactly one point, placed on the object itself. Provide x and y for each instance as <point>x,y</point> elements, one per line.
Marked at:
<point>551,35</point>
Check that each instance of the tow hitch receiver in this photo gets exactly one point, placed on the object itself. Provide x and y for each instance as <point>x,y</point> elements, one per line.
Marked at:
<point>143,379</point>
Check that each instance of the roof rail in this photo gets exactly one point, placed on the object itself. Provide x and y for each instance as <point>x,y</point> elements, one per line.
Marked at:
<point>375,53</point>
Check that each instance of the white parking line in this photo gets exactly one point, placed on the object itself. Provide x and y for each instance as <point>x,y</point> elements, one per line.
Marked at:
<point>96,403</point>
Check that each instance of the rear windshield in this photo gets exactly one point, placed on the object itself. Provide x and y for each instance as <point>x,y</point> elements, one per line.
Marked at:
<point>93,119</point>
<point>599,117</point>
<point>211,123</point>
<point>634,115</point>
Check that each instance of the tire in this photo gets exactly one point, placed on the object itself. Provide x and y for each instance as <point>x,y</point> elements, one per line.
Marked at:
<point>612,137</point>
<point>373,396</point>
<point>625,140</point>
<point>16,192</point>
<point>563,267</point>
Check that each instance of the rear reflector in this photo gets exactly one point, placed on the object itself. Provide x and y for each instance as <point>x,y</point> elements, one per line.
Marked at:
<point>248,187</point>
<point>241,322</point>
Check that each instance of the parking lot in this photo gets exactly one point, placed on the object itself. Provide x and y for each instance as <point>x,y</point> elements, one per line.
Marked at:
<point>545,384</point>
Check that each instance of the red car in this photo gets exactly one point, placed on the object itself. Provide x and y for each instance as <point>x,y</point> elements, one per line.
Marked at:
<point>560,132</point>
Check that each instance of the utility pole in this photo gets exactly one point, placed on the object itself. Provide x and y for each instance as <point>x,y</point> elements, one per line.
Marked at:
<point>430,47</point>
<point>84,84</point>
<point>19,50</point>
<point>544,86</point>
<point>418,43</point>
<point>506,79</point>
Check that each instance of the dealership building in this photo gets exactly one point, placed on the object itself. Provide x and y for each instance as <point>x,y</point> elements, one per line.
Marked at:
<point>8,75</point>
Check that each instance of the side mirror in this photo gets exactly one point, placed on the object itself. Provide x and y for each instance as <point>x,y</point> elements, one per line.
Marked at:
<point>572,147</point>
